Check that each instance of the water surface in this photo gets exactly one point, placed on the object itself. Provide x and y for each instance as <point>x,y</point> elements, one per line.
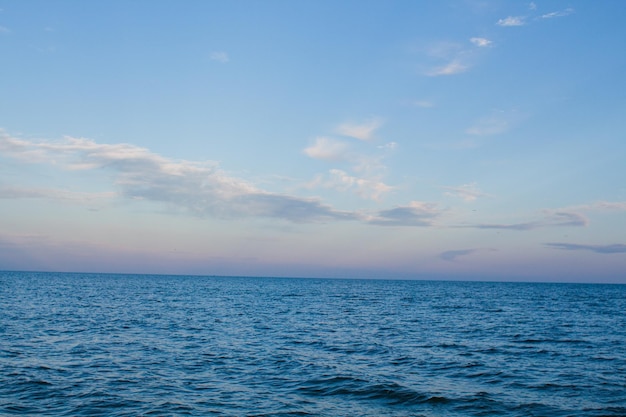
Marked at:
<point>129,345</point>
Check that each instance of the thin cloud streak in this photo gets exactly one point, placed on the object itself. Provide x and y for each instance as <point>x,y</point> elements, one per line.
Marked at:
<point>560,13</point>
<point>512,21</point>
<point>452,68</point>
<point>221,57</point>
<point>362,131</point>
<point>552,219</point>
<point>11,192</point>
<point>602,249</point>
<point>452,255</point>
<point>417,213</point>
<point>466,192</point>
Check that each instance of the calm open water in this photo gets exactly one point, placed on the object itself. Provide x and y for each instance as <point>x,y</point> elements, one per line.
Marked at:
<point>133,345</point>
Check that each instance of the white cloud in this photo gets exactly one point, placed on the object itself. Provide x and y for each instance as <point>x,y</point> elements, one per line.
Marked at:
<point>561,13</point>
<point>372,189</point>
<point>219,56</point>
<point>532,6</point>
<point>201,189</point>
<point>198,188</point>
<point>362,131</point>
<point>391,146</point>
<point>4,30</point>
<point>481,42</point>
<point>466,192</point>
<point>453,67</point>
<point>512,21</point>
<point>327,148</point>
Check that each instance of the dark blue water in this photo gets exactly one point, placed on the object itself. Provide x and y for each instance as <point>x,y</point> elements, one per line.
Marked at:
<point>130,345</point>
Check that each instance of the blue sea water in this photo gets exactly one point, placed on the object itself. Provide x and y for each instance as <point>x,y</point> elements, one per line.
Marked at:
<point>138,345</point>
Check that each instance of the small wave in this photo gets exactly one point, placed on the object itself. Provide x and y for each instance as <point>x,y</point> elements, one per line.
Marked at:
<point>390,393</point>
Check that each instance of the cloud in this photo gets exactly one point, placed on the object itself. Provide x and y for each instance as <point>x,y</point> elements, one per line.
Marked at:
<point>4,30</point>
<point>498,122</point>
<point>425,104</point>
<point>606,205</point>
<point>560,13</point>
<point>551,219</point>
<point>337,179</point>
<point>201,189</point>
<point>466,192</point>
<point>481,42</point>
<point>598,206</point>
<point>362,131</point>
<point>532,6</point>
<point>390,146</point>
<point>603,249</point>
<point>453,67</point>
<point>450,58</point>
<point>451,255</point>
<point>415,214</point>
<point>512,21</point>
<point>11,192</point>
<point>326,148</point>
<point>221,57</point>
<point>198,188</point>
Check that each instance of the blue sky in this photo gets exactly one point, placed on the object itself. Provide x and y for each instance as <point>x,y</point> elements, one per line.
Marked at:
<point>379,139</point>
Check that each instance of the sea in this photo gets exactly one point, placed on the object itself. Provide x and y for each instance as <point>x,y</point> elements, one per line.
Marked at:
<point>74,344</point>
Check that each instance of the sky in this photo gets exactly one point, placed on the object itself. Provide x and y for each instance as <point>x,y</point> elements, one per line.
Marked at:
<point>460,139</point>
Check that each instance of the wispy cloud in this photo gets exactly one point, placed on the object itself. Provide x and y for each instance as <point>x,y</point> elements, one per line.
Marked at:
<point>198,188</point>
<point>453,67</point>
<point>12,192</point>
<point>499,121</point>
<point>201,189</point>
<point>425,104</point>
<point>532,6</point>
<point>512,21</point>
<point>327,148</point>
<point>551,219</point>
<point>452,57</point>
<point>560,13</point>
<point>466,192</point>
<point>603,249</point>
<point>371,189</point>
<point>4,29</point>
<point>417,213</point>
<point>447,58</point>
<point>481,42</point>
<point>220,56</point>
<point>362,131</point>
<point>598,206</point>
<point>390,146</point>
<point>452,255</point>
<point>366,178</point>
